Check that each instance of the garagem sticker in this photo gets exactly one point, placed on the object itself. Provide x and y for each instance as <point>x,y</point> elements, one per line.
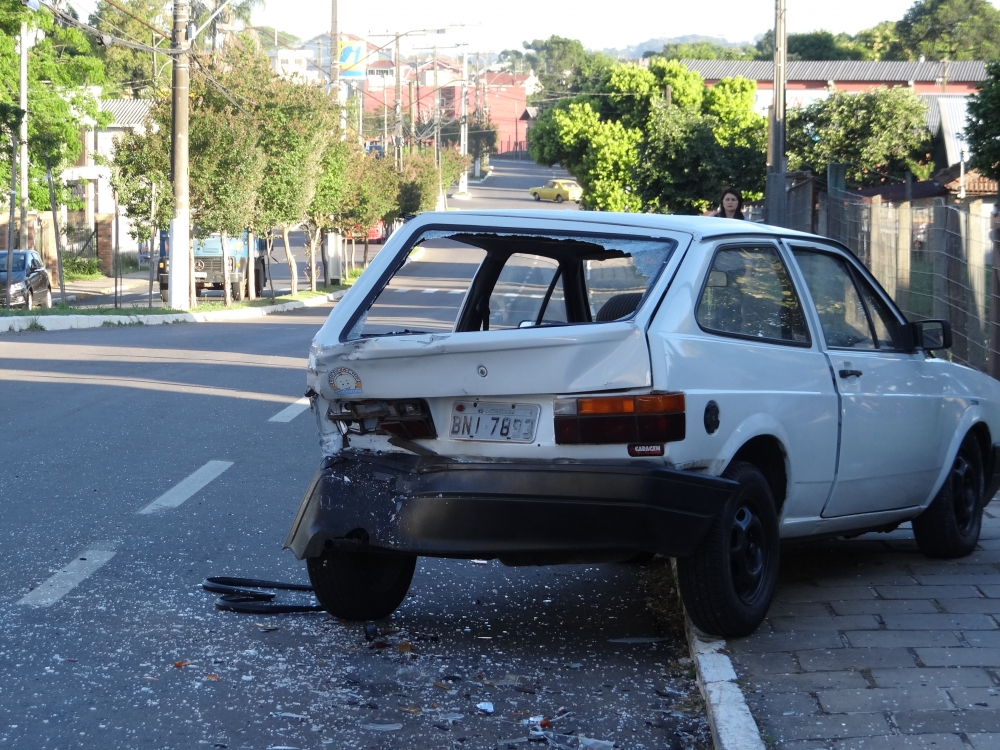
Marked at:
<point>345,382</point>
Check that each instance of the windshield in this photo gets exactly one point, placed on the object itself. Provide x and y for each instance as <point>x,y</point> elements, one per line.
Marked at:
<point>19,261</point>
<point>483,281</point>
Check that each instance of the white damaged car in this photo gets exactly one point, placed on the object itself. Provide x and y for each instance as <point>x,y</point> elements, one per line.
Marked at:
<point>548,387</point>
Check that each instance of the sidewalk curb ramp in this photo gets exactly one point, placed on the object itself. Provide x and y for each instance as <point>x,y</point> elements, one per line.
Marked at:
<point>733,726</point>
<point>65,322</point>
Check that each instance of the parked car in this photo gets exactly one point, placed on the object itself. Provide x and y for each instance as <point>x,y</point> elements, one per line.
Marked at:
<point>29,284</point>
<point>558,191</point>
<point>546,387</point>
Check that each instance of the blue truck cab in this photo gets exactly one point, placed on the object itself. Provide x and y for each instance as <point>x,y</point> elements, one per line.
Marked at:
<point>208,272</point>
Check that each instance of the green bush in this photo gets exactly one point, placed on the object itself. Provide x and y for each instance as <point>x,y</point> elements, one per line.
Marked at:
<point>72,265</point>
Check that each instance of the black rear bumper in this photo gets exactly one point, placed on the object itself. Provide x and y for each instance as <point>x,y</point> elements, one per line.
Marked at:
<point>443,507</point>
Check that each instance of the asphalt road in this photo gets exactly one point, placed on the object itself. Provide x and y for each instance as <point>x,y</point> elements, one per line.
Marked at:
<point>111,643</point>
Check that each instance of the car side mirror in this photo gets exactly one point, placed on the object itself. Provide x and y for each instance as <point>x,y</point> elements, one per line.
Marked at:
<point>931,335</point>
<point>717,279</point>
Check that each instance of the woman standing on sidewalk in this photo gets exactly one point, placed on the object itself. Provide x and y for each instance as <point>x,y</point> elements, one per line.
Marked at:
<point>730,204</point>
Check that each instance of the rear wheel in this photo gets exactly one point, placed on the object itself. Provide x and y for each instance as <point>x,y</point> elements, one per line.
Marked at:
<point>163,296</point>
<point>728,583</point>
<point>258,282</point>
<point>238,290</point>
<point>559,199</point>
<point>951,524</point>
<point>361,586</point>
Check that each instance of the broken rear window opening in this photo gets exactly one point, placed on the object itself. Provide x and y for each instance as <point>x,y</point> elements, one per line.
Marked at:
<point>461,280</point>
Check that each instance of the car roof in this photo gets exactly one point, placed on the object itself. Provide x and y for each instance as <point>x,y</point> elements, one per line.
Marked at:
<point>700,227</point>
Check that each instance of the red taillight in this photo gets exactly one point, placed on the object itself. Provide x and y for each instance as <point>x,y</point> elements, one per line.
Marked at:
<point>657,418</point>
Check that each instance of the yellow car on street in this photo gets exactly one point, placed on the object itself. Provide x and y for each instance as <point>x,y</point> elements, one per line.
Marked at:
<point>558,191</point>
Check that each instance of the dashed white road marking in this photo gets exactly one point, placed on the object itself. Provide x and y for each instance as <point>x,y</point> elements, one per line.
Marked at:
<point>187,487</point>
<point>456,291</point>
<point>56,587</point>
<point>291,411</point>
<point>431,291</point>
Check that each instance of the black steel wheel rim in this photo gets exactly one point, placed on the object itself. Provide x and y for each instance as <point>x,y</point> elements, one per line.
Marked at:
<point>747,554</point>
<point>965,491</point>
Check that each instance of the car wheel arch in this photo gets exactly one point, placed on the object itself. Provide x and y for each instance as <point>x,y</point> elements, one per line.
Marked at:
<point>972,421</point>
<point>768,454</point>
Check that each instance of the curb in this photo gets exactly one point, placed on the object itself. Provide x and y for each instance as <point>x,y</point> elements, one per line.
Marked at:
<point>733,726</point>
<point>67,322</point>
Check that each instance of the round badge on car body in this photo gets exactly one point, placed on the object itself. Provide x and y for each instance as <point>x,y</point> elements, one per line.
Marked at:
<point>482,371</point>
<point>711,417</point>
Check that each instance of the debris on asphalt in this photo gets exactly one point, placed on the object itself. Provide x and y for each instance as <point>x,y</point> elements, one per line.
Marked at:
<point>404,648</point>
<point>480,562</point>
<point>182,664</point>
<point>286,715</point>
<point>371,633</point>
<point>266,628</point>
<point>441,685</point>
<point>485,707</point>
<point>382,727</point>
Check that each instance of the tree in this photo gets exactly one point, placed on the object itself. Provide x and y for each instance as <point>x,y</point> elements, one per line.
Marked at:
<point>881,42</point>
<point>951,30</point>
<point>687,88</point>
<point>702,50</point>
<point>378,192</point>
<point>564,67</point>
<point>880,135</point>
<point>130,71</point>
<point>982,128</point>
<point>227,167</point>
<point>822,45</point>
<point>61,70</point>
<point>334,197</point>
<point>601,154</point>
<point>731,101</point>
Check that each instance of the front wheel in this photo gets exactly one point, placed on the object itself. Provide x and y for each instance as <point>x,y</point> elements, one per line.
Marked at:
<point>951,524</point>
<point>29,300</point>
<point>728,583</point>
<point>536,196</point>
<point>48,298</point>
<point>238,290</point>
<point>361,586</point>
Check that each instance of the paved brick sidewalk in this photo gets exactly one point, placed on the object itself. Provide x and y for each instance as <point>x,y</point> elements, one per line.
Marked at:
<point>871,645</point>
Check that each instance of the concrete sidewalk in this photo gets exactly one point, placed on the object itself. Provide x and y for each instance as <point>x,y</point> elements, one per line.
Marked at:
<point>871,645</point>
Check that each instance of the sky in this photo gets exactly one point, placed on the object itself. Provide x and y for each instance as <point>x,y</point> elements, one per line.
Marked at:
<point>599,24</point>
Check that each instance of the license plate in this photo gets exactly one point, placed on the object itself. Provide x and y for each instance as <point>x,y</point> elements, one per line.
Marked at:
<point>494,422</point>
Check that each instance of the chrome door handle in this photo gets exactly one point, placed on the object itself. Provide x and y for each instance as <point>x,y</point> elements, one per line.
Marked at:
<point>850,373</point>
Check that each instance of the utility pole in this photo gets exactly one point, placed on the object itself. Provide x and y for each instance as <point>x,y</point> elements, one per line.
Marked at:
<point>775,201</point>
<point>413,114</point>
<point>10,226</point>
<point>334,52</point>
<point>780,84</point>
<point>463,141</point>
<point>23,237</point>
<point>437,131</point>
<point>397,132</point>
<point>179,289</point>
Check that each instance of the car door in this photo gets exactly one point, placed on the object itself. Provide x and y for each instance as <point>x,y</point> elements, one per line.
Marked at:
<point>36,275</point>
<point>890,399</point>
<point>548,191</point>
<point>747,356</point>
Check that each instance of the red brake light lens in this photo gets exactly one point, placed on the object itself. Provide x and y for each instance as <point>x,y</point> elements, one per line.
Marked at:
<point>656,418</point>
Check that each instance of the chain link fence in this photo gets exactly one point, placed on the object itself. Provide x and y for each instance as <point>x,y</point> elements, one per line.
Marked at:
<point>936,261</point>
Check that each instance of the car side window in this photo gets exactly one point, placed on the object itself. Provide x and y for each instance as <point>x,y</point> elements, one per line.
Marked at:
<point>843,309</point>
<point>521,290</point>
<point>749,294</point>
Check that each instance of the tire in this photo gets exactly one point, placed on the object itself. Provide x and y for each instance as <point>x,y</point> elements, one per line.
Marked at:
<point>537,196</point>
<point>361,586</point>
<point>258,283</point>
<point>29,300</point>
<point>559,199</point>
<point>163,296</point>
<point>48,298</point>
<point>951,524</point>
<point>198,289</point>
<point>728,583</point>
<point>238,291</point>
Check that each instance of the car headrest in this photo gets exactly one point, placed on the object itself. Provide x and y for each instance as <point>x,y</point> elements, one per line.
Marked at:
<point>619,306</point>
